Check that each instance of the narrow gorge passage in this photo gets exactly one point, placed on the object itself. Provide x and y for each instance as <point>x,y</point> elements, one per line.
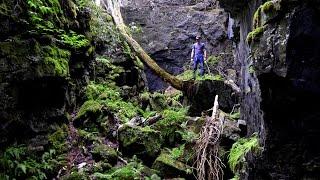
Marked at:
<point>105,89</point>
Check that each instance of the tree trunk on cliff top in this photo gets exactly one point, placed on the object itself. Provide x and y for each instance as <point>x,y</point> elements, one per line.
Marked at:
<point>113,7</point>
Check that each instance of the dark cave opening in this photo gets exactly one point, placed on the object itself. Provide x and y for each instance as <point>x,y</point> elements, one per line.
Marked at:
<point>292,124</point>
<point>41,94</point>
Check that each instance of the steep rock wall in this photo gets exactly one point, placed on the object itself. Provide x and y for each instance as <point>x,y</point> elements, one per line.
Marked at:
<point>280,57</point>
<point>168,29</point>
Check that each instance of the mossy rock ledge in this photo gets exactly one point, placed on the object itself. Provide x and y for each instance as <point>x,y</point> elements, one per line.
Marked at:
<point>143,142</point>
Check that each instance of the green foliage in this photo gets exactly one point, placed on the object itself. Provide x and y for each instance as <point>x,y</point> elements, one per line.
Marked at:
<point>55,61</point>
<point>171,116</point>
<point>177,152</point>
<point>171,123</point>
<point>255,34</point>
<point>5,8</point>
<point>213,60</point>
<point>251,69</point>
<point>188,136</point>
<point>45,15</point>
<point>109,96</point>
<point>240,149</point>
<point>74,40</point>
<point>133,170</point>
<point>165,162</point>
<point>114,71</point>
<point>145,137</point>
<point>268,7</point>
<point>257,18</point>
<point>88,108</point>
<point>188,75</point>
<point>17,162</point>
<point>235,115</point>
<point>236,177</point>
<point>84,3</point>
<point>58,139</point>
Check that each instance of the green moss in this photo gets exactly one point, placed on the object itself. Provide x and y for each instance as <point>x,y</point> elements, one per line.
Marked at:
<point>165,164</point>
<point>90,107</point>
<point>105,153</point>
<point>89,136</point>
<point>76,176</point>
<point>138,62</point>
<point>5,8</point>
<point>171,124</point>
<point>255,34</point>
<point>96,91</point>
<point>133,170</point>
<point>109,96</point>
<point>257,18</point>
<point>137,137</point>
<point>74,40</point>
<point>177,152</point>
<point>188,136</point>
<point>55,61</point>
<point>268,7</point>
<point>105,64</point>
<point>213,60</point>
<point>58,139</point>
<point>158,101</point>
<point>188,75</point>
<point>251,69</point>
<point>236,177</point>
<point>235,115</point>
<point>46,16</point>
<point>240,149</point>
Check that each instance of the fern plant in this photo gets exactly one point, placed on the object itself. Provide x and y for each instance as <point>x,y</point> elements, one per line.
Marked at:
<point>16,162</point>
<point>240,149</point>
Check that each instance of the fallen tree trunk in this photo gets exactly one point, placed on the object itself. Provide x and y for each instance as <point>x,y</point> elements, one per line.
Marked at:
<point>113,6</point>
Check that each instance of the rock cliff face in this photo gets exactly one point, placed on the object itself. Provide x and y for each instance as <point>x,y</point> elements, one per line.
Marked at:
<point>168,29</point>
<point>280,80</point>
<point>40,72</point>
<point>46,61</point>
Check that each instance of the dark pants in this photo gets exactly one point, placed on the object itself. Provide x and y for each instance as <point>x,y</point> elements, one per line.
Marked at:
<point>198,60</point>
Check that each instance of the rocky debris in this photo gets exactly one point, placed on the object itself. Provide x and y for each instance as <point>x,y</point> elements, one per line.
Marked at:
<point>168,29</point>
<point>144,142</point>
<point>171,168</point>
<point>105,153</point>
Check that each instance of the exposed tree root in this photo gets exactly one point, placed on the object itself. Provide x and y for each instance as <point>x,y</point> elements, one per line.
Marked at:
<point>208,164</point>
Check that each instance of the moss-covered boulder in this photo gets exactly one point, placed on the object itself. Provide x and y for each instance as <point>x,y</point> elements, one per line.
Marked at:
<point>143,142</point>
<point>169,167</point>
<point>105,153</point>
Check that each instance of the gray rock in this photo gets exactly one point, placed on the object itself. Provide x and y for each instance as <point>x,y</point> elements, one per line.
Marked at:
<point>169,29</point>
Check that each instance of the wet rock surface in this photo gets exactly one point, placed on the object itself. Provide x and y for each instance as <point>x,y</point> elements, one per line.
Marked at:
<point>284,63</point>
<point>168,29</point>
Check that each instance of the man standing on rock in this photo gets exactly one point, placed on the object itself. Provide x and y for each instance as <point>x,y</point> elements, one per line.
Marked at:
<point>198,56</point>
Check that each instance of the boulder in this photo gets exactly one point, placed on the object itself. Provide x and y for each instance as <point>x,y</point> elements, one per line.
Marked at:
<point>171,168</point>
<point>105,153</point>
<point>143,142</point>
